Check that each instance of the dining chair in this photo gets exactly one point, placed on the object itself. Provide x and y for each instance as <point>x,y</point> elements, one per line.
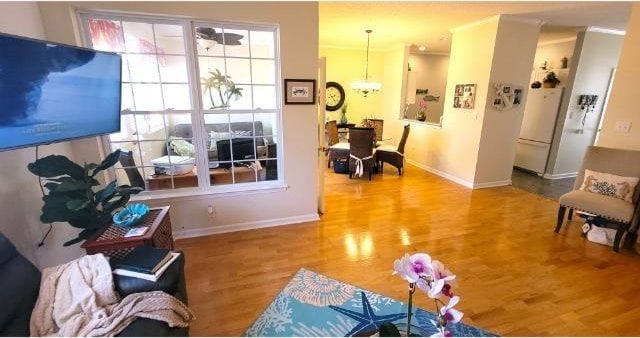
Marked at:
<point>331,128</point>
<point>336,149</point>
<point>393,155</point>
<point>614,201</point>
<point>361,156</point>
<point>129,164</point>
<point>377,125</point>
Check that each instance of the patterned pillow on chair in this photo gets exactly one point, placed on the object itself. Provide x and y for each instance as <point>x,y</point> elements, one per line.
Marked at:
<point>609,185</point>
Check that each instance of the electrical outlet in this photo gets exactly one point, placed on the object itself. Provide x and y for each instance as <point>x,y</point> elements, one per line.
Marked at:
<point>210,210</point>
<point>623,126</point>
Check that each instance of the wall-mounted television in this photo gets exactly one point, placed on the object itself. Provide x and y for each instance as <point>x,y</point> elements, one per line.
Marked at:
<point>51,92</point>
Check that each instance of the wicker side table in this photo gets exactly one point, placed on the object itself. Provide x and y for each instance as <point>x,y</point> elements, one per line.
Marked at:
<point>111,242</point>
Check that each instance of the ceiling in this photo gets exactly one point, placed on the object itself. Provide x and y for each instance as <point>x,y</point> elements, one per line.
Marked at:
<point>343,24</point>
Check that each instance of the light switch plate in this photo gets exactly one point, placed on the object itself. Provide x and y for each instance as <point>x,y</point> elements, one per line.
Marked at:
<point>623,126</point>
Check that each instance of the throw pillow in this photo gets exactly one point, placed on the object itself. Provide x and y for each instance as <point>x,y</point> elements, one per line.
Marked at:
<point>181,147</point>
<point>609,185</point>
<point>214,137</point>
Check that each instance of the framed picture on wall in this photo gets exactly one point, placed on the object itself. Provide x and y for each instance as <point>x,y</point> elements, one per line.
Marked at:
<point>299,91</point>
<point>464,96</point>
<point>507,96</point>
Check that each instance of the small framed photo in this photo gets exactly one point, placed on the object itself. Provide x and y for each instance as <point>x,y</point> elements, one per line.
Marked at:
<point>299,91</point>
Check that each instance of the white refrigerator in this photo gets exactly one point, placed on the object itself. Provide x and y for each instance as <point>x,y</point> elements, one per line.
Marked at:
<point>538,124</point>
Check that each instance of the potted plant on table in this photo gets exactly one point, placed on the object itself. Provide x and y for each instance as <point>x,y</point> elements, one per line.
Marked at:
<point>72,198</point>
<point>550,80</point>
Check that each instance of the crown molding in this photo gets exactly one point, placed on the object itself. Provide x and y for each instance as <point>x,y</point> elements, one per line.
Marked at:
<point>475,23</point>
<point>521,19</point>
<point>606,30</point>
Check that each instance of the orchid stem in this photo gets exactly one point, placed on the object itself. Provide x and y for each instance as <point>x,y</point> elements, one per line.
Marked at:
<point>412,288</point>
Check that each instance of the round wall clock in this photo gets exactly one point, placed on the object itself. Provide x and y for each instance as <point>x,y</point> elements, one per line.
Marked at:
<point>334,96</point>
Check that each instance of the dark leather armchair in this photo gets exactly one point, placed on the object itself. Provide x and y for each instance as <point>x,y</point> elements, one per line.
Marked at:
<point>20,286</point>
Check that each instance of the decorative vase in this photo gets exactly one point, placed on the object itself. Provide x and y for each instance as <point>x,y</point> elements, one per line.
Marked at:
<point>421,116</point>
<point>343,118</point>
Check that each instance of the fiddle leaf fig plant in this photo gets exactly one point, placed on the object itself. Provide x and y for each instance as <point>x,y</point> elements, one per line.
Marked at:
<point>72,197</point>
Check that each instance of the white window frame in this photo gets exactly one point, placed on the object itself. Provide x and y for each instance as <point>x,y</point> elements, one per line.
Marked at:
<point>198,111</point>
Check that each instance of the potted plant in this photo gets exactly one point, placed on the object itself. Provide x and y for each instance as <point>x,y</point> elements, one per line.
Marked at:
<point>72,198</point>
<point>223,85</point>
<point>550,80</point>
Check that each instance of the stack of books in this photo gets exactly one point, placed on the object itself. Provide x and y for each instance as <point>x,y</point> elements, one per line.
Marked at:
<point>145,262</point>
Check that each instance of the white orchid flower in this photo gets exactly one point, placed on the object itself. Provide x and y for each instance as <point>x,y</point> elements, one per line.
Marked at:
<point>411,268</point>
<point>450,314</point>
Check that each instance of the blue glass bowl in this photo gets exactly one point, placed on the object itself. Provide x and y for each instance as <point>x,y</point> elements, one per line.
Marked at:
<point>130,215</point>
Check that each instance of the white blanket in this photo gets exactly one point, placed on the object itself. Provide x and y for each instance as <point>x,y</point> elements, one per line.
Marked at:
<point>78,299</point>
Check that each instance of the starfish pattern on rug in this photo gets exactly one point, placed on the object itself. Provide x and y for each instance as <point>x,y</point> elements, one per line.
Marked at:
<point>367,320</point>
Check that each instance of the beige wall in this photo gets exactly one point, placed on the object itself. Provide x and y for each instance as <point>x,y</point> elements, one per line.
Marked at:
<point>345,66</point>
<point>512,60</point>
<point>598,56</point>
<point>431,72</point>
<point>298,23</point>
<point>21,196</point>
<point>623,103</point>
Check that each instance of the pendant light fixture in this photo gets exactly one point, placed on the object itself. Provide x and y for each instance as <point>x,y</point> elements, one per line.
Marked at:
<point>365,87</point>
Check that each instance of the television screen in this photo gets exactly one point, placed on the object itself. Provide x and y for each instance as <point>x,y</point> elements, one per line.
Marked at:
<point>51,92</point>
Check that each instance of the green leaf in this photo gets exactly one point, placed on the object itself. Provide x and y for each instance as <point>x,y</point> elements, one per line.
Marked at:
<point>77,204</point>
<point>108,162</point>
<point>54,166</point>
<point>72,185</point>
<point>107,193</point>
<point>126,189</point>
<point>51,186</point>
<point>89,166</point>
<point>109,207</point>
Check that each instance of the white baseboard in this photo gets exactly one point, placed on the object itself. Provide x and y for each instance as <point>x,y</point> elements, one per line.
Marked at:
<point>559,176</point>
<point>220,229</point>
<point>442,174</point>
<point>459,180</point>
<point>491,184</point>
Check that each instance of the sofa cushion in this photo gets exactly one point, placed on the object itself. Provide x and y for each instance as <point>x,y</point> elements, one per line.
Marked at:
<point>19,288</point>
<point>606,206</point>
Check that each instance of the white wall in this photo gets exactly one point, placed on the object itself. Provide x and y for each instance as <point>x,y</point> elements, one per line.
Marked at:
<point>21,195</point>
<point>431,73</point>
<point>623,103</point>
<point>512,60</point>
<point>298,22</point>
<point>596,54</point>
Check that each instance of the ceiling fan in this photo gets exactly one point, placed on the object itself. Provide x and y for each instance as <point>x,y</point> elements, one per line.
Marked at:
<point>208,37</point>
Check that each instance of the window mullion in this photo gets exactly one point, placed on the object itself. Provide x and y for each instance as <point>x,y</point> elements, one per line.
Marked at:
<point>197,116</point>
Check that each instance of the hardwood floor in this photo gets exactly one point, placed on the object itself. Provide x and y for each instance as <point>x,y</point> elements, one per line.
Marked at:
<point>515,275</point>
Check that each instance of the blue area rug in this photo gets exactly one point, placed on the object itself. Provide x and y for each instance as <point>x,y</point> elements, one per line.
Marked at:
<point>316,305</point>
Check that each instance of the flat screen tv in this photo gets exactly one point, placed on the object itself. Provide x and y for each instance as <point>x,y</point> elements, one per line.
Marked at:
<point>51,92</point>
<point>243,149</point>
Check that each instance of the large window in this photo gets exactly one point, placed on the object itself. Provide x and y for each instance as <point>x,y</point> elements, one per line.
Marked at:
<point>194,95</point>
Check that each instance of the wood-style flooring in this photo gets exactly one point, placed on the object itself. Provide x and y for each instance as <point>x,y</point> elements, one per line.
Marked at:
<point>515,275</point>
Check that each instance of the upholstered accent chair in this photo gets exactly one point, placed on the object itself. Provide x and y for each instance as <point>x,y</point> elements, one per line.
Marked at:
<point>618,212</point>
<point>393,155</point>
<point>361,157</point>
